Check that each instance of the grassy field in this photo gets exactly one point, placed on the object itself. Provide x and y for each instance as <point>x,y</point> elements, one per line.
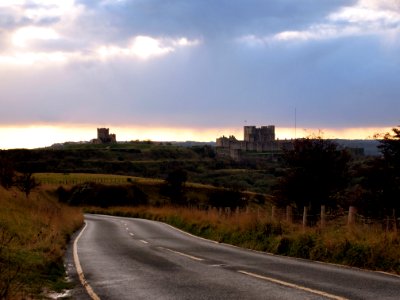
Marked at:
<point>77,178</point>
<point>34,233</point>
<point>373,249</point>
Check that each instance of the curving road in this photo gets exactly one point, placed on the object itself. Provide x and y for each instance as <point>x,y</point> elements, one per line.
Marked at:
<point>124,258</point>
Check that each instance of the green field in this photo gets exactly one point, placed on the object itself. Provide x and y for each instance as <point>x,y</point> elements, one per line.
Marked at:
<point>78,178</point>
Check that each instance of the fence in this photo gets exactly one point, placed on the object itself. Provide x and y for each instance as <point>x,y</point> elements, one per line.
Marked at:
<point>323,219</point>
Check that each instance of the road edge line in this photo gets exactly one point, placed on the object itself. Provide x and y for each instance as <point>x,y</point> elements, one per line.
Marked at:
<point>79,270</point>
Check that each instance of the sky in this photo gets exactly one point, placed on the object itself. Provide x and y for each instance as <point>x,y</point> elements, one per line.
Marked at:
<point>196,69</point>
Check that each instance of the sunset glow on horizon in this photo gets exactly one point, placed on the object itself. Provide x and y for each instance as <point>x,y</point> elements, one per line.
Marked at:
<point>38,136</point>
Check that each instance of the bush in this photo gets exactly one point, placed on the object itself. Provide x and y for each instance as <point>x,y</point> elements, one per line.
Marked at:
<point>226,198</point>
<point>102,195</point>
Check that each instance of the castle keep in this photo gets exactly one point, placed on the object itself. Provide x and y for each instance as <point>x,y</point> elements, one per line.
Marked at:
<point>104,136</point>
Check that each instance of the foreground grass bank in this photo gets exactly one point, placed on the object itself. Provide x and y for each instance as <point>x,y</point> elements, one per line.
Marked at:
<point>372,249</point>
<point>34,233</point>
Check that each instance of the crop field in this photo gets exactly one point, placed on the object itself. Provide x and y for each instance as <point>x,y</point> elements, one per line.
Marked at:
<point>78,178</point>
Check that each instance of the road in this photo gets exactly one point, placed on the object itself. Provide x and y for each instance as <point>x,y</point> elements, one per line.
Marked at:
<point>125,258</point>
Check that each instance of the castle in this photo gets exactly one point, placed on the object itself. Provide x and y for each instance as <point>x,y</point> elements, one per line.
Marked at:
<point>104,136</point>
<point>255,140</point>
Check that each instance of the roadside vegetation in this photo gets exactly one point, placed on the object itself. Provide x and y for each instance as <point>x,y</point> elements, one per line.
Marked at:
<point>34,233</point>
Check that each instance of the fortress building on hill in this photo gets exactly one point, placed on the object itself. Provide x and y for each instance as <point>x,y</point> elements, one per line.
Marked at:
<point>255,140</point>
<point>104,136</point>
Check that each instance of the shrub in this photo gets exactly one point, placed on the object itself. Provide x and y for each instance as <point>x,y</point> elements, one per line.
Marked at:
<point>102,195</point>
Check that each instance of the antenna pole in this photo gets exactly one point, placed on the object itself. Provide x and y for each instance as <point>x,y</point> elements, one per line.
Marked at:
<point>295,123</point>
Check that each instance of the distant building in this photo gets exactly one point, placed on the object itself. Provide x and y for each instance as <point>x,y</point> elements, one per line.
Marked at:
<point>104,137</point>
<point>261,142</point>
<point>255,140</point>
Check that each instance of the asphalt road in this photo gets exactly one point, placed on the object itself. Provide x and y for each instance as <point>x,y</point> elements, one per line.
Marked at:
<point>124,258</point>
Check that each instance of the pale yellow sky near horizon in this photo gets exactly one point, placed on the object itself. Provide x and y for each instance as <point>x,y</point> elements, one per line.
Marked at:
<point>36,136</point>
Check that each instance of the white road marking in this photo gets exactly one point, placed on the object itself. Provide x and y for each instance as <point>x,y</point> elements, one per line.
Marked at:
<point>295,286</point>
<point>144,242</point>
<point>183,254</point>
<point>79,270</point>
<point>131,234</point>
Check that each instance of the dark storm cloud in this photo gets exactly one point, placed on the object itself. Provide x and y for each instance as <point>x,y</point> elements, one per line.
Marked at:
<point>210,19</point>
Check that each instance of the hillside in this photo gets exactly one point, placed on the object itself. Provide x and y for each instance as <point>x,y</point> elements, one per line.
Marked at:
<point>148,159</point>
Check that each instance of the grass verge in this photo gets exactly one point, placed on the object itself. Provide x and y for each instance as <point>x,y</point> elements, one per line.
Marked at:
<point>34,233</point>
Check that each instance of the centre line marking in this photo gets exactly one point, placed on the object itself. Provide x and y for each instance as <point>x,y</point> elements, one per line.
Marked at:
<point>144,242</point>
<point>183,254</point>
<point>294,286</point>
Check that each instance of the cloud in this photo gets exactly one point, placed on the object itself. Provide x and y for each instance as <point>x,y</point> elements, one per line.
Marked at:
<point>24,35</point>
<point>193,63</point>
<point>145,47</point>
<point>366,17</point>
<point>35,41</point>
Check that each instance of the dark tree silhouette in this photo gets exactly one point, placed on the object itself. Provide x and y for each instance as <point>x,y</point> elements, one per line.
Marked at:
<point>7,173</point>
<point>390,149</point>
<point>316,170</point>
<point>174,186</point>
<point>383,179</point>
<point>26,183</point>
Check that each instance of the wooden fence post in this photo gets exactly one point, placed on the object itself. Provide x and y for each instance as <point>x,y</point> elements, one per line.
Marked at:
<point>273,213</point>
<point>323,216</point>
<point>289,214</point>
<point>305,217</point>
<point>387,223</point>
<point>352,215</point>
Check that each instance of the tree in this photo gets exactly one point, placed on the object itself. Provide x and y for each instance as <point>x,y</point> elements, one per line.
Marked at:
<point>390,149</point>
<point>316,170</point>
<point>384,174</point>
<point>26,183</point>
<point>174,186</point>
<point>7,173</point>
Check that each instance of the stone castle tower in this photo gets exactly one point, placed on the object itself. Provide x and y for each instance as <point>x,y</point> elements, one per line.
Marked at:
<point>265,134</point>
<point>104,136</point>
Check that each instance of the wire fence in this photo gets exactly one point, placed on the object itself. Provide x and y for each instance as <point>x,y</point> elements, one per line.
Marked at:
<point>339,217</point>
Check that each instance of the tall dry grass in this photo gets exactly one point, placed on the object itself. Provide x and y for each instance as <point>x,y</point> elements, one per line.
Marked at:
<point>34,233</point>
<point>358,246</point>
